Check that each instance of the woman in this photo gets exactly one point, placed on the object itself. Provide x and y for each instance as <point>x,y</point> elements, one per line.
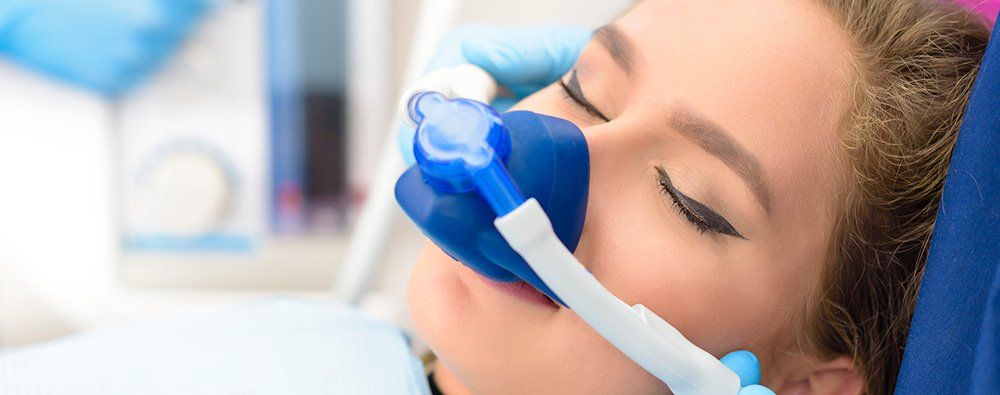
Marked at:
<point>764,176</point>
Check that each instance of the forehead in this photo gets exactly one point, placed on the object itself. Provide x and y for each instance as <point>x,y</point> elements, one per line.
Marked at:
<point>789,50</point>
<point>773,73</point>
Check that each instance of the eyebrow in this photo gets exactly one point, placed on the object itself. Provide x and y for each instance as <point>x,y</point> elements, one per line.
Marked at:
<point>720,144</point>
<point>618,45</point>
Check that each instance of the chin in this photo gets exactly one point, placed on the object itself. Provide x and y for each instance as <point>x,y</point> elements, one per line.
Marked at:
<point>474,329</point>
<point>443,310</point>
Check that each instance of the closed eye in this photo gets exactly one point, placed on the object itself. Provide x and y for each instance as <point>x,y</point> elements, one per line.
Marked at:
<point>703,218</point>
<point>574,92</point>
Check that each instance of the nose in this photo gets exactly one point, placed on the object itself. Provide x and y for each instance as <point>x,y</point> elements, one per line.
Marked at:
<point>612,150</point>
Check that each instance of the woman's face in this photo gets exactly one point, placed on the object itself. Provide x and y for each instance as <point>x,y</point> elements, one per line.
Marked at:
<point>712,128</point>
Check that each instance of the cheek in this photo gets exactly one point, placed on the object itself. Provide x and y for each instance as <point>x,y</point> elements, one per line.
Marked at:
<point>643,251</point>
<point>432,291</point>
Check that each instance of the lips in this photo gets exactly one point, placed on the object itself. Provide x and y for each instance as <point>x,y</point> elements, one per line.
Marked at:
<point>521,290</point>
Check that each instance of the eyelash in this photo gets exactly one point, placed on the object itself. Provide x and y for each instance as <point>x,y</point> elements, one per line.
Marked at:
<point>580,103</point>
<point>714,223</point>
<point>698,222</point>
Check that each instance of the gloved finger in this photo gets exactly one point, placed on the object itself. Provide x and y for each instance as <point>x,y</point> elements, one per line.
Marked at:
<point>756,390</point>
<point>745,365</point>
<point>449,50</point>
<point>526,58</point>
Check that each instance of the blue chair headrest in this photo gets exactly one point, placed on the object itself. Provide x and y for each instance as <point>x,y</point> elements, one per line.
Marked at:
<point>954,341</point>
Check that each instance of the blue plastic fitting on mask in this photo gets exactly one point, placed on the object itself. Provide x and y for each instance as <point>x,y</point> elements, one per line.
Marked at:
<point>473,165</point>
<point>460,146</point>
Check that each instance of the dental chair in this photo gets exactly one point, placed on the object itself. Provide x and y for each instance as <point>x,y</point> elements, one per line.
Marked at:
<point>294,346</point>
<point>954,341</point>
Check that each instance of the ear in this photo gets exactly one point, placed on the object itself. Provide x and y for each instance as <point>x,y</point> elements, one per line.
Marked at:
<point>835,377</point>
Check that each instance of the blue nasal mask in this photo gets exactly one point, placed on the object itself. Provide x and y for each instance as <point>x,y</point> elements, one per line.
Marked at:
<point>546,157</point>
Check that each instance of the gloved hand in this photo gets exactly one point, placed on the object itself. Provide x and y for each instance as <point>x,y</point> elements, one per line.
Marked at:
<point>104,45</point>
<point>745,364</point>
<point>522,60</point>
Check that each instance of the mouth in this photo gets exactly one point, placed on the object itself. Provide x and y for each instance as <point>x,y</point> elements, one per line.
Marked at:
<point>521,290</point>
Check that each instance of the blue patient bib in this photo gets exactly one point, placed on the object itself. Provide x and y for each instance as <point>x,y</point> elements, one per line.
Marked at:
<point>279,346</point>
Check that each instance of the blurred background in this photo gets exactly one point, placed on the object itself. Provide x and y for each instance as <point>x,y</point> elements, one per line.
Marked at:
<point>235,171</point>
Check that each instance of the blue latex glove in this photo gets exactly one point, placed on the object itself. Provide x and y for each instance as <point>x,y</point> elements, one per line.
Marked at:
<point>104,45</point>
<point>523,60</point>
<point>745,364</point>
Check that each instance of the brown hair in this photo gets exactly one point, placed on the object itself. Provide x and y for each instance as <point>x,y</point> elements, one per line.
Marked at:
<point>915,64</point>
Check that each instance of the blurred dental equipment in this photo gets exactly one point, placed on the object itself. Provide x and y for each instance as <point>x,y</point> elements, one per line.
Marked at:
<point>240,163</point>
<point>463,145</point>
<point>366,247</point>
<point>107,46</point>
<point>160,200</point>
